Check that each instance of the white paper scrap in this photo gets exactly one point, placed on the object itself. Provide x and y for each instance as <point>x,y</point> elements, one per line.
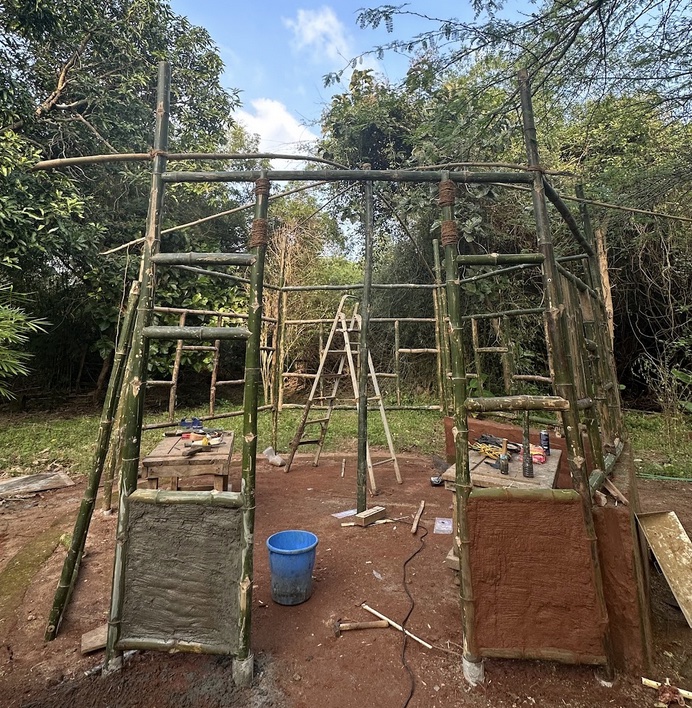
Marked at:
<point>443,526</point>
<point>344,514</point>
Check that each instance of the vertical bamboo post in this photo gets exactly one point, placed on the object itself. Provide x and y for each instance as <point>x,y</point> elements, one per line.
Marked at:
<point>559,344</point>
<point>279,363</point>
<point>443,354</point>
<point>397,361</point>
<point>243,664</point>
<point>215,371</point>
<point>135,375</point>
<point>369,227</point>
<point>70,568</point>
<point>172,394</point>
<point>472,664</point>
<point>475,343</point>
<point>507,357</point>
<point>602,330</point>
<point>439,335</point>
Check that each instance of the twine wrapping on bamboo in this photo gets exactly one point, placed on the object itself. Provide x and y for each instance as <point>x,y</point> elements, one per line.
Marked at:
<point>262,187</point>
<point>447,193</point>
<point>449,236</point>
<point>258,233</point>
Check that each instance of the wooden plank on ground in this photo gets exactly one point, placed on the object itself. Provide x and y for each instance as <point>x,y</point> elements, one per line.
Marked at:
<point>94,640</point>
<point>29,484</point>
<point>673,551</point>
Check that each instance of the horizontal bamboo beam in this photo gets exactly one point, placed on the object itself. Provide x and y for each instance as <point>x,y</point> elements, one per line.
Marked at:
<point>232,500</point>
<point>532,377</point>
<point>502,259</point>
<point>516,403</point>
<point>301,406</point>
<point>230,382</point>
<point>358,286</point>
<point>494,273</point>
<point>198,348</point>
<point>196,333</point>
<point>200,313</point>
<point>174,646</point>
<point>192,258</point>
<point>350,176</point>
<point>567,216</point>
<point>548,654</point>
<point>223,276</point>
<point>216,416</point>
<point>372,319</point>
<point>505,313</point>
<point>418,351</point>
<point>559,496</point>
<point>150,382</point>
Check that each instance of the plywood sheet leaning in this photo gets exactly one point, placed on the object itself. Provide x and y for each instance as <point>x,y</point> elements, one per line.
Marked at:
<point>30,484</point>
<point>673,551</point>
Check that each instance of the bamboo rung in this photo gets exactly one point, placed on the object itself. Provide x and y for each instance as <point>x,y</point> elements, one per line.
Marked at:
<point>418,351</point>
<point>316,420</point>
<point>516,403</point>
<point>159,383</point>
<point>492,350</point>
<point>231,382</point>
<point>297,375</point>
<point>198,348</point>
<point>198,333</point>
<point>309,442</point>
<point>382,462</point>
<point>240,259</point>
<point>531,377</point>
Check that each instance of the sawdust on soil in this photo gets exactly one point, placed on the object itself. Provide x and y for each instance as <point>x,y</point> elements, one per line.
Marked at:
<point>300,663</point>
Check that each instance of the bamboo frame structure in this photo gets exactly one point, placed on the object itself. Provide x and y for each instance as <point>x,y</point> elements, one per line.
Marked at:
<point>582,373</point>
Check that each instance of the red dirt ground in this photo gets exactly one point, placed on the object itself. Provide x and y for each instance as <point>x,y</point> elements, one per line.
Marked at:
<point>300,662</point>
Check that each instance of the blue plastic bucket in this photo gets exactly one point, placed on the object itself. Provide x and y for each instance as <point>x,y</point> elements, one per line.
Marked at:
<point>291,560</point>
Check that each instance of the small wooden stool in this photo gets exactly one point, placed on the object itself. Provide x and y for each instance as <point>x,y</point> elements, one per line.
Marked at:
<point>167,461</point>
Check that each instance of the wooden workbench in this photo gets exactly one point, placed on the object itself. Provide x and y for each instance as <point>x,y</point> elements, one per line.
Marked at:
<point>167,461</point>
<point>483,475</point>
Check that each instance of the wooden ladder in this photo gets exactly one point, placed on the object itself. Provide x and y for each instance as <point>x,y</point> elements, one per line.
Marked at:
<point>348,331</point>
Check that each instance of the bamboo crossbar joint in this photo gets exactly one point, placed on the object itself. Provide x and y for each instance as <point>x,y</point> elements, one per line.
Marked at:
<point>196,333</point>
<point>516,403</point>
<point>192,258</point>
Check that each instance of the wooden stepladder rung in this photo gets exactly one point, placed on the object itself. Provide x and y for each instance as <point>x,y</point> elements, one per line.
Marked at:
<point>347,330</point>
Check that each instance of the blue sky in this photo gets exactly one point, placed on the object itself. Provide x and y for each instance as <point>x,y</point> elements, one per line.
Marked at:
<point>277,53</point>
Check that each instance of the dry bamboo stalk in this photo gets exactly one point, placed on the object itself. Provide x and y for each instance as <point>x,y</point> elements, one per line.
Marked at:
<point>392,623</point>
<point>416,518</point>
<point>649,683</point>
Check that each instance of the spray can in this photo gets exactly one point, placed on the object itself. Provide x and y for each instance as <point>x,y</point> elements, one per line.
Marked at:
<point>545,442</point>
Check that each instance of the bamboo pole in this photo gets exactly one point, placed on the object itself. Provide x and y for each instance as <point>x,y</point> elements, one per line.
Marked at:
<point>504,313</point>
<point>350,176</point>
<point>172,394</point>
<point>475,343</point>
<point>215,371</point>
<point>397,361</point>
<point>201,259</point>
<point>70,568</point>
<point>522,402</point>
<point>279,356</point>
<point>567,217</point>
<point>135,377</point>
<point>613,419</point>
<point>501,259</point>
<point>363,351</point>
<point>558,341</point>
<point>473,668</point>
<point>231,500</point>
<point>243,665</point>
<point>444,317</point>
<point>195,333</point>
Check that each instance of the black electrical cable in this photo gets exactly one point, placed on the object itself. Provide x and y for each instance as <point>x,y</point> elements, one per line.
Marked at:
<point>408,614</point>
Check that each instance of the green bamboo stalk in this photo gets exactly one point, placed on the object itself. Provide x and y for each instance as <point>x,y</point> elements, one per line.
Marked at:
<point>443,315</point>
<point>501,259</point>
<point>351,176</point>
<point>279,357</point>
<point>559,496</point>
<point>462,483</point>
<point>242,667</point>
<point>569,220</point>
<point>68,577</point>
<point>522,402</point>
<point>135,376</point>
<point>232,500</point>
<point>559,344</point>
<point>195,333</point>
<point>362,470</point>
<point>192,258</point>
<point>504,313</point>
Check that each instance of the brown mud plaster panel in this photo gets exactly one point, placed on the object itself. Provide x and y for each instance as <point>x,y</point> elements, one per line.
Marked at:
<point>513,433</point>
<point>533,580</point>
<point>628,611</point>
<point>181,574</point>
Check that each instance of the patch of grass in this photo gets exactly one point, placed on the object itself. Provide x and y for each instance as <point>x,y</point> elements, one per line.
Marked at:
<point>662,445</point>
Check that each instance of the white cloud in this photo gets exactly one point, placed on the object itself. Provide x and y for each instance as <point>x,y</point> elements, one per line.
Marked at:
<point>321,32</point>
<point>279,131</point>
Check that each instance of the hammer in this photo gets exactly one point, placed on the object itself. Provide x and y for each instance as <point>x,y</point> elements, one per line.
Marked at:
<point>340,626</point>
